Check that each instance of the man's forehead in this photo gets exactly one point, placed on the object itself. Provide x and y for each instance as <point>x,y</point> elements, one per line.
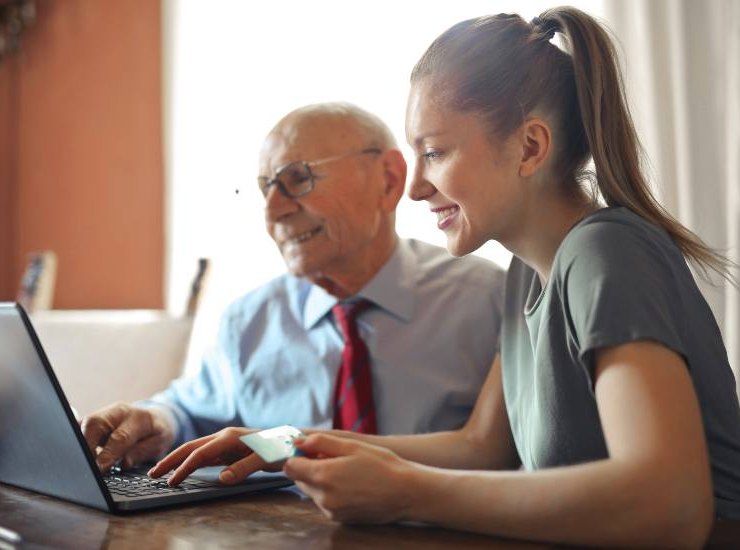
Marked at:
<point>308,138</point>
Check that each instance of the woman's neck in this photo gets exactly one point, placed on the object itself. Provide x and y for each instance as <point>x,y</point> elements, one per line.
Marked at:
<point>544,228</point>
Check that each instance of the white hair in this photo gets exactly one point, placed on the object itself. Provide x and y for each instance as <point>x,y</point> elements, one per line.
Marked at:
<point>376,131</point>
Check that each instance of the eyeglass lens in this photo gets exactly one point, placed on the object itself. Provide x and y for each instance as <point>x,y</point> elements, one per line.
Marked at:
<point>295,180</point>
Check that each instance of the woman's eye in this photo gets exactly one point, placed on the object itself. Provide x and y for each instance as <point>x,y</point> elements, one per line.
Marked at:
<point>431,155</point>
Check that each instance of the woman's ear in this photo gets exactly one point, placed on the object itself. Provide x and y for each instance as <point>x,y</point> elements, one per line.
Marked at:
<point>537,143</point>
<point>394,178</point>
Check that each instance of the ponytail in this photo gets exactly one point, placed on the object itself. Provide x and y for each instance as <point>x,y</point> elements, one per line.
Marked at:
<point>611,136</point>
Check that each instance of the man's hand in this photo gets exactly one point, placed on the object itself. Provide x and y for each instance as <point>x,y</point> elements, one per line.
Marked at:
<point>223,447</point>
<point>128,433</point>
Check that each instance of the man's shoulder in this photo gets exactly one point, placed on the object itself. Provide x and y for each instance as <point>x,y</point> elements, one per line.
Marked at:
<point>435,262</point>
<point>282,291</point>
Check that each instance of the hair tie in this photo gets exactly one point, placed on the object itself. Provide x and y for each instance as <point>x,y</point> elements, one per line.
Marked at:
<point>546,28</point>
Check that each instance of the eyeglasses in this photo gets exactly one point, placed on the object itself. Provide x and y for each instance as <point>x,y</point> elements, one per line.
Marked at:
<point>296,179</point>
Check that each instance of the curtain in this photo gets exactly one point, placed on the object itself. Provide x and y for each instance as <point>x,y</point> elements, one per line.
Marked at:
<point>681,63</point>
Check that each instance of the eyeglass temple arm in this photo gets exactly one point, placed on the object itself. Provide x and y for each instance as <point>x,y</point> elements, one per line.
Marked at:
<point>368,151</point>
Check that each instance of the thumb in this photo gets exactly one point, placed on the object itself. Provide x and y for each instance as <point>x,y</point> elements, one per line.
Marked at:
<point>326,446</point>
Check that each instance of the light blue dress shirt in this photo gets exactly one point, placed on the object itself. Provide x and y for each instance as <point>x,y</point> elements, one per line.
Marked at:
<point>432,337</point>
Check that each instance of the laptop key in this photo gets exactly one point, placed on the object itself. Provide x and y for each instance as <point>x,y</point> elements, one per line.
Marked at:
<point>133,484</point>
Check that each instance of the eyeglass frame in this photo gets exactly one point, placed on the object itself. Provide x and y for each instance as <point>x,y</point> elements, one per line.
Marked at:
<point>307,164</point>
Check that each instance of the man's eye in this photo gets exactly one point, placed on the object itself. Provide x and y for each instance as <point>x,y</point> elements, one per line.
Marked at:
<point>295,180</point>
<point>264,185</point>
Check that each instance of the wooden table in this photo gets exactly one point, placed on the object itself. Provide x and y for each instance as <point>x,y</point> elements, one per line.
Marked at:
<point>276,520</point>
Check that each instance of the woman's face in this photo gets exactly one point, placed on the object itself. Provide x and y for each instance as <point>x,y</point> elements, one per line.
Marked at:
<point>471,183</point>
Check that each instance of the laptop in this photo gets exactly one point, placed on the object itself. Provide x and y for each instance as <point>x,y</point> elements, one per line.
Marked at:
<point>42,448</point>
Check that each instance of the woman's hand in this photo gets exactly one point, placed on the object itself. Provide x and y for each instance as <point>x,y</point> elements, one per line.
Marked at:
<point>351,481</point>
<point>223,447</point>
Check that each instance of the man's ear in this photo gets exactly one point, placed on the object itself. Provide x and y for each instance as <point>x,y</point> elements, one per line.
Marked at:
<point>394,178</point>
<point>537,143</point>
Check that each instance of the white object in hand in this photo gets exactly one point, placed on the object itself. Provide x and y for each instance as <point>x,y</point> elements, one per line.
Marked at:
<point>274,444</point>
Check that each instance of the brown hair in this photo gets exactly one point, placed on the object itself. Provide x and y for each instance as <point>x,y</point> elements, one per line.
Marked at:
<point>504,68</point>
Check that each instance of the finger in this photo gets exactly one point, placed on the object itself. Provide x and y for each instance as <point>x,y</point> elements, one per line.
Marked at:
<point>95,431</point>
<point>176,457</point>
<point>325,445</point>
<point>237,471</point>
<point>97,427</point>
<point>133,428</point>
<point>317,495</point>
<point>307,489</point>
<point>208,454</point>
<point>304,469</point>
<point>145,450</point>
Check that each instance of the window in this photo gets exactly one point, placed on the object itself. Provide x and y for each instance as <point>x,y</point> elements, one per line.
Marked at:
<point>233,68</point>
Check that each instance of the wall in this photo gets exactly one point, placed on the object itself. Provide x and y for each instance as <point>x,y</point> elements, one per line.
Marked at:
<point>6,171</point>
<point>85,173</point>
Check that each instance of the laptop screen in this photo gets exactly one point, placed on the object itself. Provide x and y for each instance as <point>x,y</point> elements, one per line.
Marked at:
<point>41,448</point>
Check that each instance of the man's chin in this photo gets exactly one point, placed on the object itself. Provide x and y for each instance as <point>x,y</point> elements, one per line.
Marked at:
<point>315,277</point>
<point>302,269</point>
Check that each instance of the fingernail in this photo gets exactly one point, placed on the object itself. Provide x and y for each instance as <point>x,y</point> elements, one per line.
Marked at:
<point>227,475</point>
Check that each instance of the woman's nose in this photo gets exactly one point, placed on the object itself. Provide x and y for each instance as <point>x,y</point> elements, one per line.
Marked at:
<point>420,188</point>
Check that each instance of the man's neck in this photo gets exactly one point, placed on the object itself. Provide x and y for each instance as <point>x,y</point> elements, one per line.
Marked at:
<point>347,280</point>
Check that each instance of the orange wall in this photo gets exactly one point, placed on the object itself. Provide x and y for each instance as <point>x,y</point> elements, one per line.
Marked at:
<point>6,171</point>
<point>88,181</point>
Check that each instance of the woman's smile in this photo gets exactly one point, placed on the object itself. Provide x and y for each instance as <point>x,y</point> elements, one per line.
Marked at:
<point>446,215</point>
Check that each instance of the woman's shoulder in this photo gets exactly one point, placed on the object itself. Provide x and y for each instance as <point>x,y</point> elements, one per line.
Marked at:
<point>613,224</point>
<point>616,236</point>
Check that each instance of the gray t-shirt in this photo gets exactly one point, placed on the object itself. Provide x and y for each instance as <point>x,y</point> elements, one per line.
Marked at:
<point>615,279</point>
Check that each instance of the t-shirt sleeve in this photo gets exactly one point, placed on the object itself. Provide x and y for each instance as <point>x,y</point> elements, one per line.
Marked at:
<point>619,286</point>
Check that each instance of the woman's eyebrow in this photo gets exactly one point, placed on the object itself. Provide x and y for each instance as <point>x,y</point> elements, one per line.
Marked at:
<point>420,139</point>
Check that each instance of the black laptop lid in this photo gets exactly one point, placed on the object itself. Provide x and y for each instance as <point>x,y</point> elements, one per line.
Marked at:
<point>41,447</point>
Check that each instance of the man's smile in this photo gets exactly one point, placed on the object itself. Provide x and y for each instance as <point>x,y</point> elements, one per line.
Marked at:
<point>303,237</point>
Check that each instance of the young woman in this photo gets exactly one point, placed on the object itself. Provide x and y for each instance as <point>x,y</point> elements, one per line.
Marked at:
<point>612,388</point>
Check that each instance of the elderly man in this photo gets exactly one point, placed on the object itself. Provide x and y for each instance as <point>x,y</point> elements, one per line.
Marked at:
<point>367,332</point>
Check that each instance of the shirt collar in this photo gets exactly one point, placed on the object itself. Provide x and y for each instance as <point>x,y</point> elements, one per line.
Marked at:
<point>392,289</point>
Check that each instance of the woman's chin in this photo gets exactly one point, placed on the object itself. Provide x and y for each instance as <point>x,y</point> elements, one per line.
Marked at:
<point>457,246</point>
<point>455,249</point>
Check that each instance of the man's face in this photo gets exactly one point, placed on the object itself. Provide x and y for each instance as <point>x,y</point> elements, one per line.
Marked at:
<point>333,228</point>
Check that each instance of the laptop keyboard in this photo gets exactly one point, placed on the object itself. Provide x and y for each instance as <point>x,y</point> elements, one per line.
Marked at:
<point>133,484</point>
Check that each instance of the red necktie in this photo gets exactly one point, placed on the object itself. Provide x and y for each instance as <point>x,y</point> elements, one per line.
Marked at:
<point>354,408</point>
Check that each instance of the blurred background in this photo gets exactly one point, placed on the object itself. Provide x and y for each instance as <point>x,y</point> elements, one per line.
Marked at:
<point>125,128</point>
